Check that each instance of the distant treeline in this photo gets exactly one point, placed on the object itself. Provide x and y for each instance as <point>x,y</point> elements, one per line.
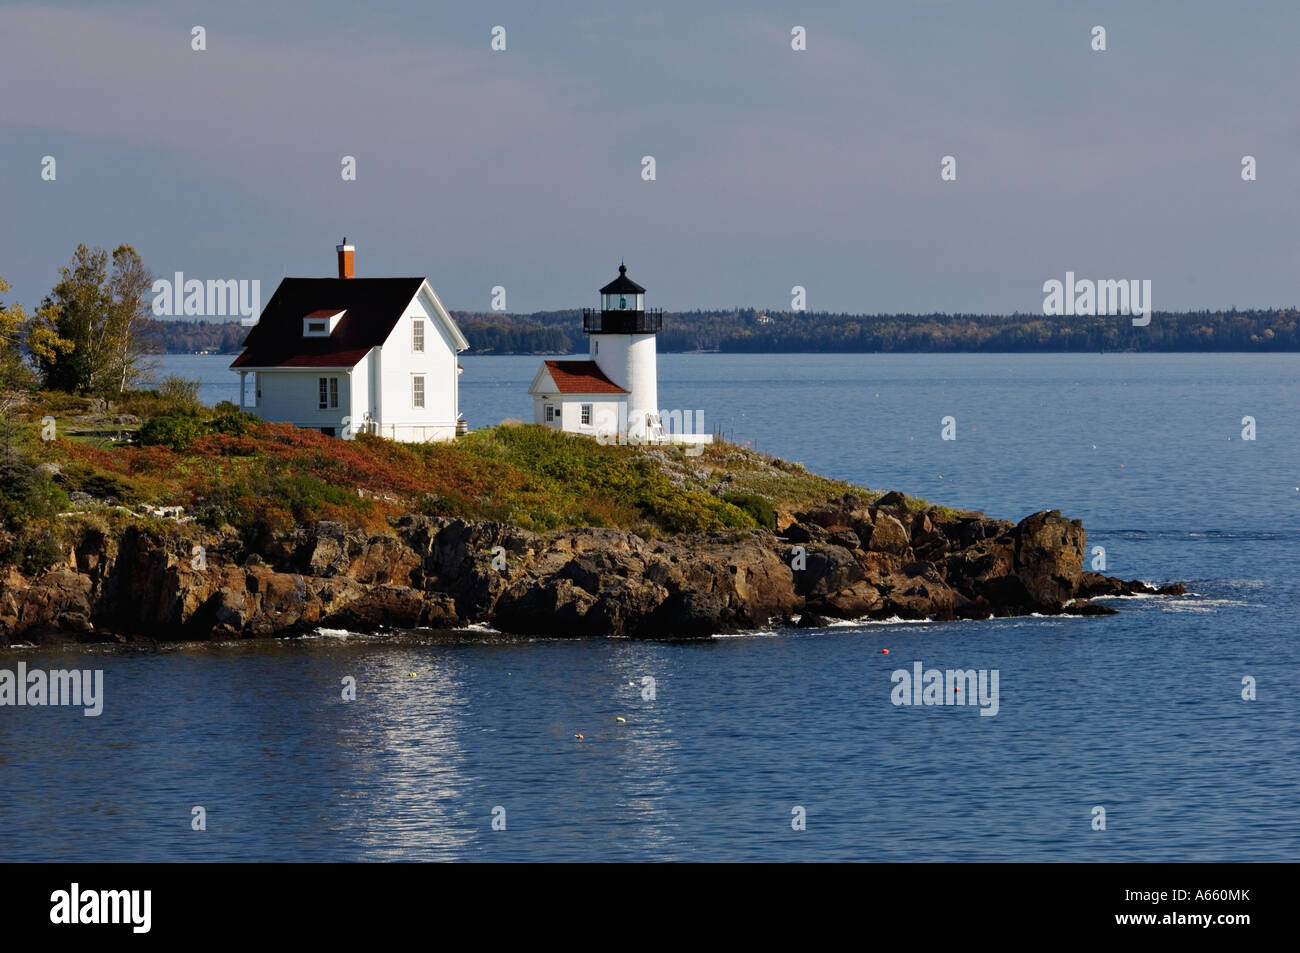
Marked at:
<point>190,337</point>
<point>749,331</point>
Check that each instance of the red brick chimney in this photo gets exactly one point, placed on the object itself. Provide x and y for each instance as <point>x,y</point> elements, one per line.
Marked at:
<point>346,254</point>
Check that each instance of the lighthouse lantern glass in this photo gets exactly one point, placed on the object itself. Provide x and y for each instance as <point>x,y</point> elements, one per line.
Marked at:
<point>624,302</point>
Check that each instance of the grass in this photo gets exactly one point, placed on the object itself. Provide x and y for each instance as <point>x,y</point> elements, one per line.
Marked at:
<point>260,478</point>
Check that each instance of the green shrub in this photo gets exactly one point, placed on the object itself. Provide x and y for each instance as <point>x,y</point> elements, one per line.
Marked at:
<point>170,431</point>
<point>304,496</point>
<point>59,402</point>
<point>757,507</point>
<point>27,494</point>
<point>227,418</point>
<point>34,554</point>
<point>441,504</point>
<point>176,397</point>
<point>82,477</point>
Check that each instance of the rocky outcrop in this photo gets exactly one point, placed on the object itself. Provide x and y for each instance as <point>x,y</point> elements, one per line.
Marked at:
<point>846,558</point>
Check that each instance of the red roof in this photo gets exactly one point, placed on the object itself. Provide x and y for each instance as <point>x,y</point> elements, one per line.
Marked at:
<point>348,357</point>
<point>581,377</point>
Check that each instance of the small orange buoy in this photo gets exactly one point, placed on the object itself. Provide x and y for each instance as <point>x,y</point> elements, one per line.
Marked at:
<point>579,737</point>
<point>884,651</point>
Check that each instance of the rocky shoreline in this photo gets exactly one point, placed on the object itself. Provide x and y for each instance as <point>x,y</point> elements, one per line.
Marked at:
<point>844,559</point>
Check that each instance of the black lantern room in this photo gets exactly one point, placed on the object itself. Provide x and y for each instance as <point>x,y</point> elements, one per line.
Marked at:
<point>622,309</point>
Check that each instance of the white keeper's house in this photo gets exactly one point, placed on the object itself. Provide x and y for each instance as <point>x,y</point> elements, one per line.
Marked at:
<point>351,355</point>
<point>614,394</point>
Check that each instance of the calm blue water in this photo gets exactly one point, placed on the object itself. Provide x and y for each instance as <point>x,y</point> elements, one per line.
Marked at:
<point>1140,713</point>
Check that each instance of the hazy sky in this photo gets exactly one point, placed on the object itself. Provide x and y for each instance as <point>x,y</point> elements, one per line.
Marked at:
<point>774,167</point>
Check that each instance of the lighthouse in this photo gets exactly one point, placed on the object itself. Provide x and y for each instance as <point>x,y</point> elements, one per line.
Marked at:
<point>621,341</point>
<point>613,394</point>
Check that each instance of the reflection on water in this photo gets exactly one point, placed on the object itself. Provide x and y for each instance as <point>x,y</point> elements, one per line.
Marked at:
<point>1139,712</point>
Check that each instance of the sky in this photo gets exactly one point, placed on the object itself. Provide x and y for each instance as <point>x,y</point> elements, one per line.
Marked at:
<point>523,168</point>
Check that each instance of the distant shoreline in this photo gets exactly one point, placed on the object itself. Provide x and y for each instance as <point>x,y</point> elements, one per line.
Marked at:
<point>748,331</point>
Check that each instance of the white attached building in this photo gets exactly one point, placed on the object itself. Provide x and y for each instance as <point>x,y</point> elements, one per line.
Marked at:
<point>576,396</point>
<point>353,355</point>
<point>614,394</point>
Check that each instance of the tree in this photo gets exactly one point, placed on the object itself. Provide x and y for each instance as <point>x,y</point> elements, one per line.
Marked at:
<point>15,374</point>
<point>88,335</point>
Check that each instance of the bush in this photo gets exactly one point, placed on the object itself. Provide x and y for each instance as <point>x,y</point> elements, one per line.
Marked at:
<point>34,554</point>
<point>757,507</point>
<point>227,418</point>
<point>441,504</point>
<point>28,494</point>
<point>181,396</point>
<point>170,431</point>
<point>176,398</point>
<point>84,478</point>
<point>305,496</point>
<point>59,402</point>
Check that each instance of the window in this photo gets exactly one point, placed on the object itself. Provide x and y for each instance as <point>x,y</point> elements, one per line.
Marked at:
<point>321,324</point>
<point>417,390</point>
<point>586,415</point>
<point>417,335</point>
<point>329,392</point>
<point>550,413</point>
<point>327,431</point>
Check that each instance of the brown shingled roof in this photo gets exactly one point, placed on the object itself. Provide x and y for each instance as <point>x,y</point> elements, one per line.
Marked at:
<point>581,377</point>
<point>373,306</point>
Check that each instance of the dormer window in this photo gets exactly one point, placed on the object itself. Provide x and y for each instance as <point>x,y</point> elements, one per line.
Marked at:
<point>321,324</point>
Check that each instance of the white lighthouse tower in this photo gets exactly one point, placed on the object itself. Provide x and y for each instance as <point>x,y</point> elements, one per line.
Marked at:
<point>621,336</point>
<point>614,395</point>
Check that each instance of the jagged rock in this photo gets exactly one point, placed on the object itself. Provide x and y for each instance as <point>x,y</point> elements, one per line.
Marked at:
<point>1049,557</point>
<point>690,615</point>
<point>806,533</point>
<point>1083,607</point>
<point>827,569</point>
<point>553,607</point>
<point>846,538</point>
<point>811,620</point>
<point>891,500</point>
<point>1095,584</point>
<point>57,601</point>
<point>975,568</point>
<point>857,601</point>
<point>874,561</point>
<point>929,541</point>
<point>889,535</point>
<point>384,561</point>
<point>922,595</point>
<point>966,531</point>
<point>833,514</point>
